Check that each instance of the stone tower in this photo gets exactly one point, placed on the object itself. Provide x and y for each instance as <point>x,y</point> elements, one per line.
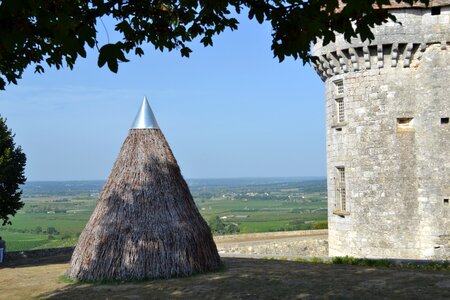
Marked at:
<point>388,137</point>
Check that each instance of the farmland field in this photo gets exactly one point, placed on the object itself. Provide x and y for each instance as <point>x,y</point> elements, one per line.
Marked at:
<point>55,213</point>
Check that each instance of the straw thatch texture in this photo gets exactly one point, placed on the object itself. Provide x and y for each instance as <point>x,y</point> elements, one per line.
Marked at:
<point>146,224</point>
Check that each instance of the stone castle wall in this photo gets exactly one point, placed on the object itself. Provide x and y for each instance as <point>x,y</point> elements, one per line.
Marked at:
<point>391,137</point>
<point>288,244</point>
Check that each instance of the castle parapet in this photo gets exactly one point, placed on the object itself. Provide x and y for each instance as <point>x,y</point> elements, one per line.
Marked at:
<point>396,45</point>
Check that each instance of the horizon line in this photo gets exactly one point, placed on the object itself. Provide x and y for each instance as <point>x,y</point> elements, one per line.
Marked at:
<point>192,178</point>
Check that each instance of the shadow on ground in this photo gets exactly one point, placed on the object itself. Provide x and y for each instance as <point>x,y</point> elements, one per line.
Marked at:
<point>272,279</point>
<point>39,261</point>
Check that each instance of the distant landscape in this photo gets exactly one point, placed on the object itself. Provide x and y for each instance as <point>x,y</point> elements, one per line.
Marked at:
<point>55,213</point>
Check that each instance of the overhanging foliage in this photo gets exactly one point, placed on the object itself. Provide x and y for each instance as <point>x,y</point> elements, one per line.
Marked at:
<point>56,32</point>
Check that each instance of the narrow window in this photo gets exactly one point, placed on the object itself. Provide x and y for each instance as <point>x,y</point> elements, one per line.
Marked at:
<point>404,123</point>
<point>340,189</point>
<point>446,201</point>
<point>338,87</point>
<point>340,110</point>
<point>435,11</point>
<point>444,120</point>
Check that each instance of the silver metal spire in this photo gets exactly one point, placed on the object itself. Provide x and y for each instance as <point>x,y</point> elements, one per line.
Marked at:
<point>145,117</point>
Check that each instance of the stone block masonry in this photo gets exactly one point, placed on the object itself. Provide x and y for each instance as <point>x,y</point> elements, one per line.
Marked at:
<point>388,138</point>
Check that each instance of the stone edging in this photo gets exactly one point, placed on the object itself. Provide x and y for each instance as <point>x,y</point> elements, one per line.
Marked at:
<point>14,255</point>
<point>277,234</point>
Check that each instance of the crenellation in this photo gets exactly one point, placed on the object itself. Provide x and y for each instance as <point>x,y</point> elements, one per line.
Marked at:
<point>354,59</point>
<point>380,56</point>
<point>407,56</point>
<point>334,64</point>
<point>342,61</point>
<point>372,57</point>
<point>394,55</point>
<point>393,142</point>
<point>366,57</point>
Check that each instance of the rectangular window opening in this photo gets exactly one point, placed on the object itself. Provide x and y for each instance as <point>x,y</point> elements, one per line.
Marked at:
<point>446,201</point>
<point>340,110</point>
<point>404,123</point>
<point>340,189</point>
<point>338,87</point>
<point>435,11</point>
<point>444,120</point>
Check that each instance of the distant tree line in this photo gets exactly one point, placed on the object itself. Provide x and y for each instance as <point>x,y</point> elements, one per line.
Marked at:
<point>43,209</point>
<point>38,230</point>
<point>217,226</point>
<point>301,225</point>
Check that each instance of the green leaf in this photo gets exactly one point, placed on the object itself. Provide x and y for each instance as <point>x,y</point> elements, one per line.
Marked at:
<point>185,51</point>
<point>113,65</point>
<point>82,52</point>
<point>139,51</point>
<point>110,54</point>
<point>121,56</point>
<point>38,69</point>
<point>106,51</point>
<point>206,41</point>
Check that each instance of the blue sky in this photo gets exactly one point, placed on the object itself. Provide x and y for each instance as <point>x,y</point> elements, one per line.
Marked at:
<point>230,110</point>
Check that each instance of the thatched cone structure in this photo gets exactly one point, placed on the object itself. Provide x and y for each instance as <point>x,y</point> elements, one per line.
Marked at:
<point>146,224</point>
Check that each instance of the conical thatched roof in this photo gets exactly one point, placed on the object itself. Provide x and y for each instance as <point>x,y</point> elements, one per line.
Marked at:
<point>146,224</point>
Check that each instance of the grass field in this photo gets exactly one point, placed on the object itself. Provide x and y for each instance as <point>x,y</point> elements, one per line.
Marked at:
<point>55,214</point>
<point>69,226</point>
<point>24,241</point>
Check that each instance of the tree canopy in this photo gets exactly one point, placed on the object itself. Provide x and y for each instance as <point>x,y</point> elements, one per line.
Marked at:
<point>12,166</point>
<point>55,33</point>
<point>217,226</point>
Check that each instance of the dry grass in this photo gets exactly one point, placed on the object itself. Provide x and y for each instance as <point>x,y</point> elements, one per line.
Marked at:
<point>241,279</point>
<point>146,224</point>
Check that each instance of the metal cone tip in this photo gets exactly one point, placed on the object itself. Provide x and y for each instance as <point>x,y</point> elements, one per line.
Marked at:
<point>145,117</point>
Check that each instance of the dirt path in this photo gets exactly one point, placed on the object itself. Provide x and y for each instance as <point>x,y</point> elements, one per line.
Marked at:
<point>241,279</point>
